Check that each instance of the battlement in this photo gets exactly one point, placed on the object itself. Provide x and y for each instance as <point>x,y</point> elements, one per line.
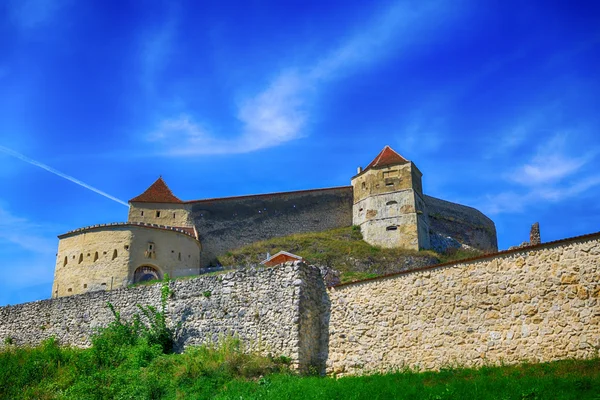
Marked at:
<point>186,231</point>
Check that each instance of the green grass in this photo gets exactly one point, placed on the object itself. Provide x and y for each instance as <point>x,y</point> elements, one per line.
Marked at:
<point>342,249</point>
<point>226,371</point>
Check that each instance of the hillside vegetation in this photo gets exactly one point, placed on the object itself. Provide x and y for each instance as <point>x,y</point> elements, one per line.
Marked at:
<point>344,250</point>
<point>140,370</point>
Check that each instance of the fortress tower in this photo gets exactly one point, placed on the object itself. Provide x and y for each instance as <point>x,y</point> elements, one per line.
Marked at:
<point>388,203</point>
<point>166,235</point>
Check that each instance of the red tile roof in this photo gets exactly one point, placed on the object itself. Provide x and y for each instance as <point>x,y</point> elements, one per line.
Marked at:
<point>386,157</point>
<point>158,192</point>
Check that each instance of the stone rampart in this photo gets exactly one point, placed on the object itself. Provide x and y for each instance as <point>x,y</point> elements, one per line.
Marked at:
<point>538,303</point>
<point>228,223</point>
<point>269,309</point>
<point>465,224</point>
<point>534,304</point>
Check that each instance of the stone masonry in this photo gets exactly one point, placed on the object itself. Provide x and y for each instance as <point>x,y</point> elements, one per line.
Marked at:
<point>272,310</point>
<point>538,303</point>
<point>534,304</point>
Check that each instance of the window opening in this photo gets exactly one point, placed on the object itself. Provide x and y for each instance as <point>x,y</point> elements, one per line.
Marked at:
<point>66,260</point>
<point>391,228</point>
<point>80,258</point>
<point>95,256</point>
<point>114,254</point>
<point>142,213</point>
<point>389,203</point>
<point>157,214</point>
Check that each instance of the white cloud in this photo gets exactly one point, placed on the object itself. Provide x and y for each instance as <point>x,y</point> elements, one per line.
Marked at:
<point>550,163</point>
<point>156,50</point>
<point>552,175</point>
<point>20,231</point>
<point>281,112</point>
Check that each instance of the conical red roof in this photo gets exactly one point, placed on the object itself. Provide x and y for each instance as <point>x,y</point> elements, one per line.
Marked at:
<point>158,192</point>
<point>386,157</point>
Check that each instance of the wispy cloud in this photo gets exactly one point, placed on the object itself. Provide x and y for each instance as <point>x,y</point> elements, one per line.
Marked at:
<point>550,163</point>
<point>24,233</point>
<point>156,49</point>
<point>552,174</point>
<point>281,112</point>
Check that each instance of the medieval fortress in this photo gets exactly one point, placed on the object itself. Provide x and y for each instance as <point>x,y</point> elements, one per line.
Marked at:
<point>536,302</point>
<point>165,235</point>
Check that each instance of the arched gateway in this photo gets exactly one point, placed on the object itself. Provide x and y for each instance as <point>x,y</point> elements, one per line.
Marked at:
<point>146,273</point>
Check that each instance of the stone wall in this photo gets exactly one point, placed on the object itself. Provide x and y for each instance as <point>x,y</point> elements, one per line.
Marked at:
<point>465,224</point>
<point>105,257</point>
<point>170,214</point>
<point>270,309</point>
<point>534,304</point>
<point>228,223</point>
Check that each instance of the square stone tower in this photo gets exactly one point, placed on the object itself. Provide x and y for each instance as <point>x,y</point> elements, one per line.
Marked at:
<point>388,203</point>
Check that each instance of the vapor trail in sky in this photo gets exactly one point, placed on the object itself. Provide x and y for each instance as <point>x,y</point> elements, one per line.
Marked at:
<point>55,172</point>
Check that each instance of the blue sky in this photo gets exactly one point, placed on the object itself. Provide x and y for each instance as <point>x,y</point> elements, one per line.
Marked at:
<point>496,102</point>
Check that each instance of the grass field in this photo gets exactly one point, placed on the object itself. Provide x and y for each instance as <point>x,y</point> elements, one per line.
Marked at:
<point>142,371</point>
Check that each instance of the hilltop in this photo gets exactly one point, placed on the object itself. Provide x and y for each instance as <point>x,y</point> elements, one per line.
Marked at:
<point>342,249</point>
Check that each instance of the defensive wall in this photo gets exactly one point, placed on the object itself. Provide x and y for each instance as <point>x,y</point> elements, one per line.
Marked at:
<point>228,223</point>
<point>531,304</point>
<point>538,303</point>
<point>465,224</point>
<point>274,310</point>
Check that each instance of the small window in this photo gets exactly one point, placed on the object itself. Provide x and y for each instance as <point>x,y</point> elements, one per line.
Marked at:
<point>70,290</point>
<point>150,246</point>
<point>360,210</point>
<point>114,254</point>
<point>179,256</point>
<point>363,185</point>
<point>157,214</point>
<point>88,254</point>
<point>80,258</point>
<point>103,253</point>
<point>391,203</point>
<point>391,228</point>
<point>95,256</point>
<point>126,247</point>
<point>389,184</point>
<point>173,215</point>
<point>142,213</point>
<point>85,285</point>
<point>66,260</point>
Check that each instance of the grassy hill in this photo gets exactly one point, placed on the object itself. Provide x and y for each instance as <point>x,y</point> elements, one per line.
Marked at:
<point>142,371</point>
<point>342,249</point>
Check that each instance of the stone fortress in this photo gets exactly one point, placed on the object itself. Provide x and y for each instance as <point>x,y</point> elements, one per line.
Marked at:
<point>536,302</point>
<point>165,235</point>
